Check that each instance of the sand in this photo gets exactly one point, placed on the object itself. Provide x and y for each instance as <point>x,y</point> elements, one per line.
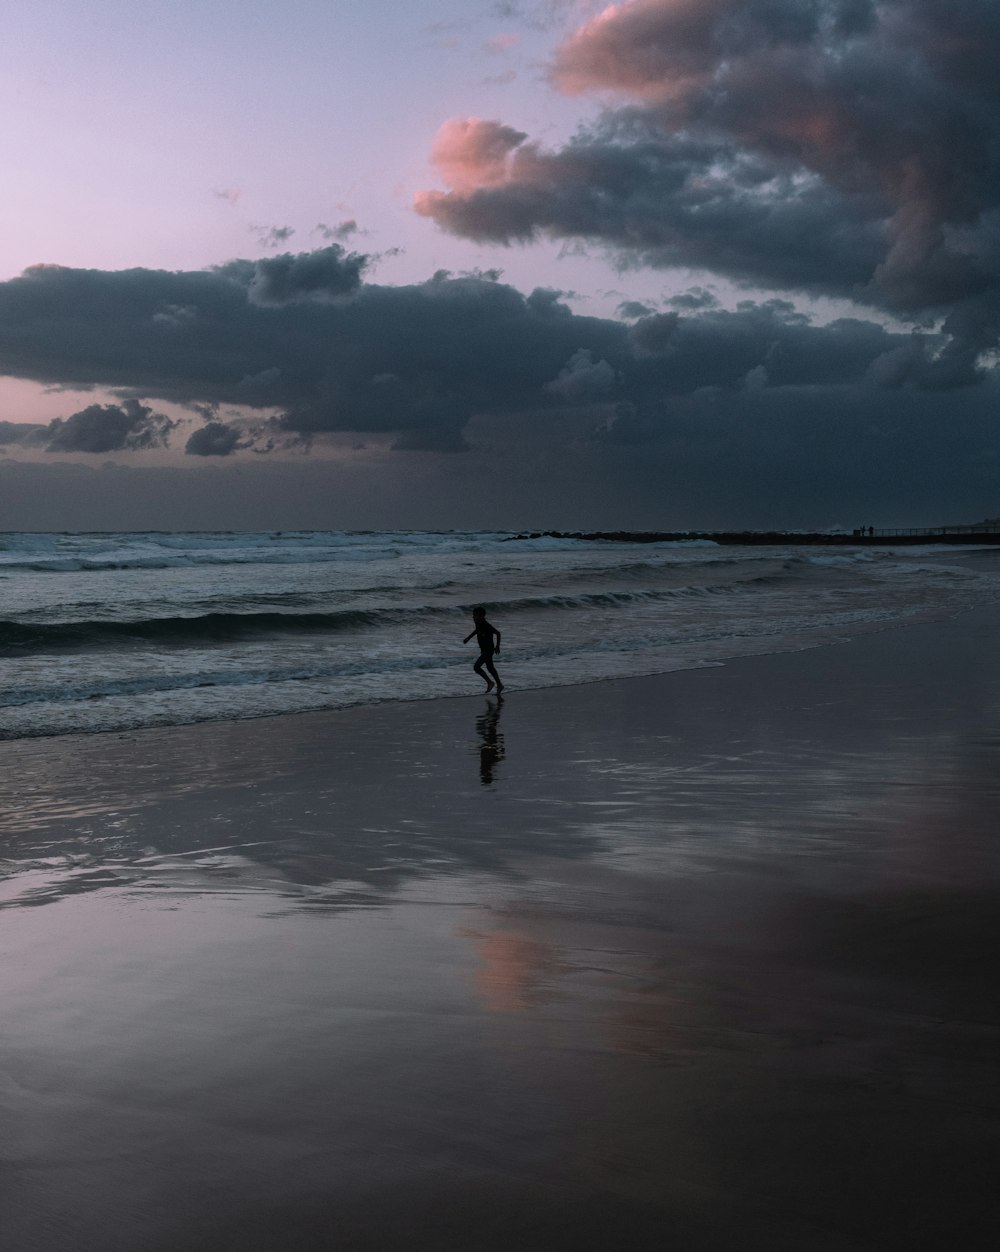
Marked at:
<point>704,962</point>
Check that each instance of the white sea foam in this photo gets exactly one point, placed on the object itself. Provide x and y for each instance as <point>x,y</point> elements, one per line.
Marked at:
<point>104,632</point>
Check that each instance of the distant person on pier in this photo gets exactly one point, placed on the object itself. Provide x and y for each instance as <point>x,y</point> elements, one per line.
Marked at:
<point>485,634</point>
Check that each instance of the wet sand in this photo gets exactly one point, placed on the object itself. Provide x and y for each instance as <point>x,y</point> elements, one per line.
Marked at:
<point>705,961</point>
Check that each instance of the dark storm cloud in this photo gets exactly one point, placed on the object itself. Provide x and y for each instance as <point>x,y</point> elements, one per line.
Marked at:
<point>272,236</point>
<point>673,200</point>
<point>842,147</point>
<point>19,432</point>
<point>692,299</point>
<point>310,348</point>
<point>805,456</point>
<point>810,456</point>
<point>126,427</point>
<point>582,378</point>
<point>261,381</point>
<point>214,439</point>
<point>634,308</point>
<point>652,335</point>
<point>326,273</point>
<point>341,232</point>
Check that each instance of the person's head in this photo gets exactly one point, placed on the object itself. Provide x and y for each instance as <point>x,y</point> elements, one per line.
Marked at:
<point>479,614</point>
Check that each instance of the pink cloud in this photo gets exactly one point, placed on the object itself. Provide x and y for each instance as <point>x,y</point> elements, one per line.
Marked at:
<point>470,153</point>
<point>648,48</point>
<point>843,146</point>
<point>765,77</point>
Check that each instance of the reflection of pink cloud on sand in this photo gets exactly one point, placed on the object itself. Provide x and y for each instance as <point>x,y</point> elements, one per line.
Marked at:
<point>514,969</point>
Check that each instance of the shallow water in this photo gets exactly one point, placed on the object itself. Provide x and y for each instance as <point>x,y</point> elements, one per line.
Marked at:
<point>117,632</point>
<point>710,954</point>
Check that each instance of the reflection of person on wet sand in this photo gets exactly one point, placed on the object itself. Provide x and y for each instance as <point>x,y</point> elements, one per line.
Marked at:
<point>484,633</point>
<point>491,749</point>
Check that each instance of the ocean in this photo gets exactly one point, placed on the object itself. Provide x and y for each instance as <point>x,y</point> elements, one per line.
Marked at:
<point>113,632</point>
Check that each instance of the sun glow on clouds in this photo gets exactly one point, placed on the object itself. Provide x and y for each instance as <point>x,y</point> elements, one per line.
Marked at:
<point>838,151</point>
<point>652,49</point>
<point>470,153</point>
<point>848,113</point>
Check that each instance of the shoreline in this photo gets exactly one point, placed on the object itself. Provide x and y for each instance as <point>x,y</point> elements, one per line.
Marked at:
<point>860,631</point>
<point>301,645</point>
<point>709,953</point>
<point>300,729</point>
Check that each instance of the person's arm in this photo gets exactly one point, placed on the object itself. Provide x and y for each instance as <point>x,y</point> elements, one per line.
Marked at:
<point>497,633</point>
<point>468,636</point>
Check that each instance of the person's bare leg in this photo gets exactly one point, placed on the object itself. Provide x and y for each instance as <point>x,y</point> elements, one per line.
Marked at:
<point>493,670</point>
<point>478,667</point>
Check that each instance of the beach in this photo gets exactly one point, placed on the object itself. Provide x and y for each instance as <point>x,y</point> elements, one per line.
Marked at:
<point>700,960</point>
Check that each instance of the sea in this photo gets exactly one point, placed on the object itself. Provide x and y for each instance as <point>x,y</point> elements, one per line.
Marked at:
<point>115,632</point>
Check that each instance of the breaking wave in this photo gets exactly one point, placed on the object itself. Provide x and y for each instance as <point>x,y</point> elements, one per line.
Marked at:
<point>104,632</point>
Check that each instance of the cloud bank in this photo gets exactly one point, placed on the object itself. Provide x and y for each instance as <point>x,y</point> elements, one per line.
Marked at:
<point>521,412</point>
<point>848,148</point>
<point>99,428</point>
<point>303,342</point>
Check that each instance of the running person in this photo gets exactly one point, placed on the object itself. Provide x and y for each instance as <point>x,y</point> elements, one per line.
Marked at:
<point>484,633</point>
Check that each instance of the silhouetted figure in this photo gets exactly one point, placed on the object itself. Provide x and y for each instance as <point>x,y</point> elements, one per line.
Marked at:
<point>485,633</point>
<point>871,531</point>
<point>491,749</point>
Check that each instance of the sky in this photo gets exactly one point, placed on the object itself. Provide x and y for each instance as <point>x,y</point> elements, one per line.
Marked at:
<point>671,264</point>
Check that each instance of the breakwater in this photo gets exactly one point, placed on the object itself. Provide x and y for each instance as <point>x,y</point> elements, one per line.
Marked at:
<point>877,538</point>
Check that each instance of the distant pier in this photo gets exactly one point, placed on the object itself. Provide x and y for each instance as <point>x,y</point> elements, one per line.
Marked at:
<point>864,537</point>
